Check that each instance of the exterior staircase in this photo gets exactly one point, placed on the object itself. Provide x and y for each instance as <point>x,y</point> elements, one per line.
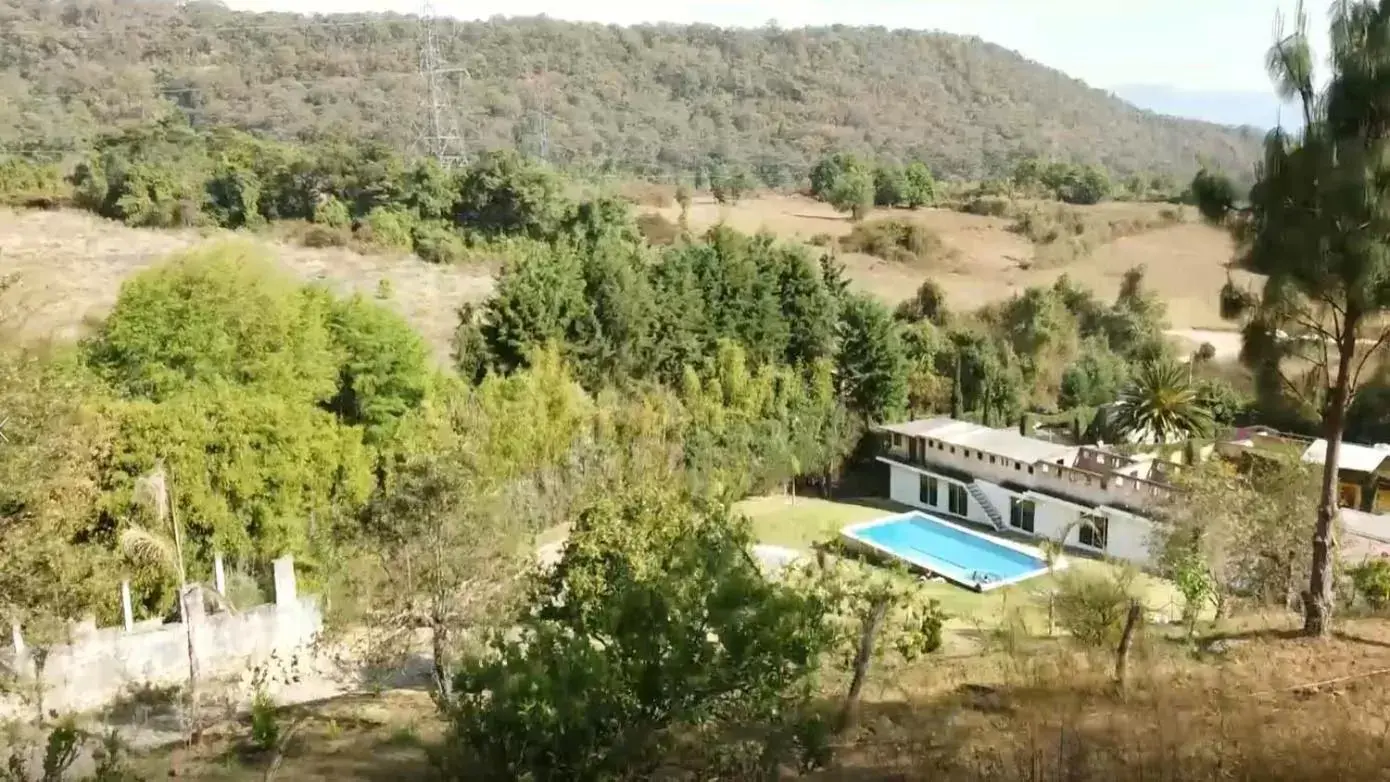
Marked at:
<point>983,501</point>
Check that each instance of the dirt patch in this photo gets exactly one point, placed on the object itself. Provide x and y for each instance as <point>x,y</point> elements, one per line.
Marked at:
<point>71,266</point>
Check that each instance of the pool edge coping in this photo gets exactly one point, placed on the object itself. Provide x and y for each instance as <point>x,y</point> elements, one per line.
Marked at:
<point>850,530</point>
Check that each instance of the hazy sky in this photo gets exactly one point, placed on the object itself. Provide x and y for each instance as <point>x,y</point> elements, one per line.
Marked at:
<point>1191,44</point>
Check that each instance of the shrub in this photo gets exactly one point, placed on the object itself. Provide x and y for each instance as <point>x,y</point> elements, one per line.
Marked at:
<point>822,240</point>
<point>657,230</point>
<point>987,206</point>
<point>902,241</point>
<point>438,242</point>
<point>265,722</point>
<point>326,236</point>
<point>333,213</point>
<point>1092,607</point>
<point>23,183</point>
<point>1372,581</point>
<point>387,228</point>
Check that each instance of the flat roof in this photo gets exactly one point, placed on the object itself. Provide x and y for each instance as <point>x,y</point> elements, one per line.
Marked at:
<point>1001,442</point>
<point>1361,458</point>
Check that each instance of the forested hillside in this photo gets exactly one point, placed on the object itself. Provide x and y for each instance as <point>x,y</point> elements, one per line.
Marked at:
<point>654,100</point>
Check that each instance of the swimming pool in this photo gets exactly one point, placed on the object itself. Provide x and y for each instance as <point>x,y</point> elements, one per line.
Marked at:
<point>967,557</point>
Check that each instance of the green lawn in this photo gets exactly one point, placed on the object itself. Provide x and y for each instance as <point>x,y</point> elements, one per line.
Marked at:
<point>800,523</point>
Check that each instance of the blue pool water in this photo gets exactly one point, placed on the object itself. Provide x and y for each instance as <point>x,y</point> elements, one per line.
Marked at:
<point>958,554</point>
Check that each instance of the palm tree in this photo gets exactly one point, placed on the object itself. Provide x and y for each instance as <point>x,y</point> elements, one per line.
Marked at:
<point>154,548</point>
<point>1160,404</point>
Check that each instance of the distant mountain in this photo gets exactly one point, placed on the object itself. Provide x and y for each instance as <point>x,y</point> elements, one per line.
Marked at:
<point>1254,109</point>
<point>660,100</point>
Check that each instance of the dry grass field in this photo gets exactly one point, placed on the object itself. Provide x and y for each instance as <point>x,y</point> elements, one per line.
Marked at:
<point>1186,262</point>
<point>71,264</point>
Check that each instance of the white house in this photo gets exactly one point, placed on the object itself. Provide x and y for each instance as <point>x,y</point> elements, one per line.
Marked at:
<point>999,478</point>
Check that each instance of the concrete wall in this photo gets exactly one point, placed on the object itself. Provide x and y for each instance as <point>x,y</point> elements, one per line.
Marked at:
<point>1128,536</point>
<point>1089,486</point>
<point>904,486</point>
<point>102,663</point>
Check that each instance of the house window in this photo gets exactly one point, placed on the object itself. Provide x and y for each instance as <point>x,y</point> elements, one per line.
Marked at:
<point>991,460</point>
<point>1021,514</point>
<point>1095,531</point>
<point>927,491</point>
<point>955,498</point>
<point>897,440</point>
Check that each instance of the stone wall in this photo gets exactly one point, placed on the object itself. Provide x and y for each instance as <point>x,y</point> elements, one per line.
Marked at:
<point>100,664</point>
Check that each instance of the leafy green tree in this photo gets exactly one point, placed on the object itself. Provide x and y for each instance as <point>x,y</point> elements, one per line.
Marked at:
<point>384,368</point>
<point>253,469</point>
<point>1135,324</point>
<point>729,185</point>
<point>430,191</point>
<point>1160,405</point>
<point>217,314</point>
<point>1222,399</point>
<point>1316,226</point>
<point>656,624</point>
<point>234,196</point>
<point>928,303</point>
<point>1084,185</point>
<point>989,380</point>
<point>890,185</point>
<point>466,482</point>
<point>809,310</point>
<point>872,365</point>
<point>617,340</point>
<point>332,213</point>
<point>56,564</point>
<point>1246,526</point>
<point>1095,378</point>
<point>1213,193</point>
<point>539,299</point>
<point>919,186</point>
<point>1044,336</point>
<point>504,193</point>
<point>389,227</point>
<point>852,191</point>
<point>831,168</point>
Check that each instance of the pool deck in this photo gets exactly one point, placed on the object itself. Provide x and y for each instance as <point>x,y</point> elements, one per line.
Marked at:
<point>959,577</point>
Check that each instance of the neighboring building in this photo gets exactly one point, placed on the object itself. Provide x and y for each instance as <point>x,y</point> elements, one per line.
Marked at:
<point>1095,499</point>
<point>1363,476</point>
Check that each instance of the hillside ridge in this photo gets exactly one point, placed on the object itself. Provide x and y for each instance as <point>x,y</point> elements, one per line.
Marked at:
<point>655,100</point>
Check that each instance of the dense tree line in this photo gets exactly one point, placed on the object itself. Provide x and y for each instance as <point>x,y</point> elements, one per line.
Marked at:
<point>656,100</point>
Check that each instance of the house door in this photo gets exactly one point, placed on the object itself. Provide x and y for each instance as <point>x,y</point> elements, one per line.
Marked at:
<point>912,453</point>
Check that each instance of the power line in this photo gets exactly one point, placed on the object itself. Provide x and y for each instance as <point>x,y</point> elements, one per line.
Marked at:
<point>440,138</point>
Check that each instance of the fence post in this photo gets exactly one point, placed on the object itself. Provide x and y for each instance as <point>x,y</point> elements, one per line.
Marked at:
<point>219,575</point>
<point>285,589</point>
<point>126,612</point>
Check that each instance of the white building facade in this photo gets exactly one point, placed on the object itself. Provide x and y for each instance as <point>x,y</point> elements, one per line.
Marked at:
<point>1089,499</point>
